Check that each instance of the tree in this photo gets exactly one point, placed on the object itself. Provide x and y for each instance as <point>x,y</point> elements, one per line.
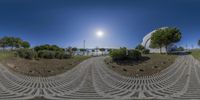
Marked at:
<point>199,43</point>
<point>165,37</point>
<point>180,49</point>
<point>97,51</point>
<point>48,47</point>
<point>74,49</point>
<point>3,43</point>
<point>102,50</point>
<point>121,54</point>
<point>69,50</point>
<point>82,50</point>
<point>17,42</point>
<point>140,47</point>
<point>93,51</point>
<point>25,44</point>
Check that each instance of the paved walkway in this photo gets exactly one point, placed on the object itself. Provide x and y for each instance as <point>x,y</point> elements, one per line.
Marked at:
<point>93,80</point>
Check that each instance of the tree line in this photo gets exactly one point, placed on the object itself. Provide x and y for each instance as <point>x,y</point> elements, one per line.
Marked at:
<point>13,42</point>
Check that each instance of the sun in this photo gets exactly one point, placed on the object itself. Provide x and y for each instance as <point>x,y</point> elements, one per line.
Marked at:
<point>99,33</point>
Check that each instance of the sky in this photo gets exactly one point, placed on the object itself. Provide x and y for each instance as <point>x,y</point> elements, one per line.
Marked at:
<point>123,22</point>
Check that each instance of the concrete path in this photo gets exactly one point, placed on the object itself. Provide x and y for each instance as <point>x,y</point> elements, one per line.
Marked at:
<point>93,80</point>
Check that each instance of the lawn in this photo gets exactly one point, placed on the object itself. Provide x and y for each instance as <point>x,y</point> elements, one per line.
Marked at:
<point>148,65</point>
<point>5,54</point>
<point>42,67</point>
<point>196,54</point>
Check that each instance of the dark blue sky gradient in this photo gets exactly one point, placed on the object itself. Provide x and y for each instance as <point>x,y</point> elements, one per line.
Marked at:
<point>125,22</point>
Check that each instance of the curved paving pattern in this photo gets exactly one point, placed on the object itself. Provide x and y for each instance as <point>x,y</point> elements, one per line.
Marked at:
<point>93,80</point>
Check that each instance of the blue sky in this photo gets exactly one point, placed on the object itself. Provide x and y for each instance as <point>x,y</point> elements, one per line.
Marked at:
<point>124,22</point>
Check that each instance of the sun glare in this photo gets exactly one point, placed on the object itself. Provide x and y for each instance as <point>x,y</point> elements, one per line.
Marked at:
<point>100,33</point>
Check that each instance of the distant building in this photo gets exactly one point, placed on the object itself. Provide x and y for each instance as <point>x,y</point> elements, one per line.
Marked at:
<point>147,42</point>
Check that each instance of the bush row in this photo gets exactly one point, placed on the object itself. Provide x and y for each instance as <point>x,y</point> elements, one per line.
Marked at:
<point>123,54</point>
<point>46,54</point>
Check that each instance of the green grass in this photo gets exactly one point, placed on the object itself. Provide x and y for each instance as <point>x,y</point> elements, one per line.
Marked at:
<point>5,54</point>
<point>196,54</point>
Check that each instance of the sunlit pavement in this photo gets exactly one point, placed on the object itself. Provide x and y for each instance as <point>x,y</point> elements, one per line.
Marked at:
<point>93,80</point>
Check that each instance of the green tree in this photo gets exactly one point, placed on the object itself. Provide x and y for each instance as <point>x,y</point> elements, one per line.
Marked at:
<point>93,51</point>
<point>69,50</point>
<point>140,47</point>
<point>25,44</point>
<point>3,42</point>
<point>199,43</point>
<point>165,37</point>
<point>48,47</point>
<point>102,50</point>
<point>74,49</point>
<point>180,49</point>
<point>82,50</point>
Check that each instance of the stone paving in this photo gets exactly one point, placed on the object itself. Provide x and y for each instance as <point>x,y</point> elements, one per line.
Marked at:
<point>92,79</point>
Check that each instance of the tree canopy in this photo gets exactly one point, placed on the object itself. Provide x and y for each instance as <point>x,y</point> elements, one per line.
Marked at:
<point>165,37</point>
<point>140,47</point>
<point>48,47</point>
<point>13,42</point>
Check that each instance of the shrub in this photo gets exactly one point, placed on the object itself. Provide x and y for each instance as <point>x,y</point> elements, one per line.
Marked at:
<point>46,54</point>
<point>146,51</point>
<point>59,55</point>
<point>118,54</point>
<point>134,54</point>
<point>48,47</point>
<point>140,47</point>
<point>26,53</point>
<point>66,56</point>
<point>123,54</point>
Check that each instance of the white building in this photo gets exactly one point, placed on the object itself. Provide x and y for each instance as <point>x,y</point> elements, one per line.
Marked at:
<point>147,41</point>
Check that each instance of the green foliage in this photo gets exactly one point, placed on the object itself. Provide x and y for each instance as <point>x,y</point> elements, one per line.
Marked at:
<point>6,54</point>
<point>140,47</point>
<point>146,51</point>
<point>82,49</point>
<point>47,54</point>
<point>102,50</point>
<point>53,54</point>
<point>180,49</point>
<point>74,49</point>
<point>25,44</point>
<point>118,54</point>
<point>48,47</point>
<point>66,56</point>
<point>199,43</point>
<point>196,54</point>
<point>26,53</point>
<point>164,37</point>
<point>59,54</point>
<point>13,42</point>
<point>123,54</point>
<point>134,54</point>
